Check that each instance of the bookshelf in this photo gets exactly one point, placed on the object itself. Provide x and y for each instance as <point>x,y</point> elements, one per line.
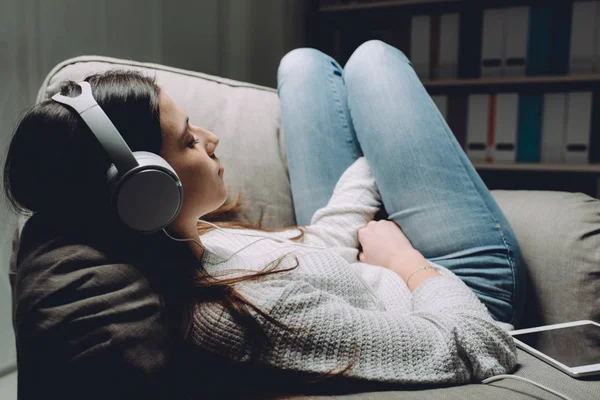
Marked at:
<point>589,168</point>
<point>548,82</point>
<point>332,8</point>
<point>343,25</point>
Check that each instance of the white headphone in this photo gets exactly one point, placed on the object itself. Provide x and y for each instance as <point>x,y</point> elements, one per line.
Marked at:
<point>144,189</point>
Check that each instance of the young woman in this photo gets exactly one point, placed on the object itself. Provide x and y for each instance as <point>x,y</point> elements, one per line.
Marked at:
<point>425,296</point>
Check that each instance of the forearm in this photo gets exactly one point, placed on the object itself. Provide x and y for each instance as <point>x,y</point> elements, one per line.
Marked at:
<point>406,265</point>
<point>355,201</point>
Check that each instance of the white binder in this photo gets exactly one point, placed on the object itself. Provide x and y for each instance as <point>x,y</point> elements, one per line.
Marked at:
<point>553,127</point>
<point>579,124</point>
<point>448,60</point>
<point>492,42</point>
<point>419,45</point>
<point>583,32</point>
<point>516,34</point>
<point>442,104</point>
<point>477,127</point>
<point>505,132</point>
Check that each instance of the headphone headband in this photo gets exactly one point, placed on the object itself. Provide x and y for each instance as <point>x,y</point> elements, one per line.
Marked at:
<point>144,189</point>
<point>101,126</point>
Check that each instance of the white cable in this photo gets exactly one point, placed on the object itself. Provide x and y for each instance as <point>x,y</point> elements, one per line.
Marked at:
<point>248,234</point>
<point>375,297</point>
<point>238,233</point>
<point>520,378</point>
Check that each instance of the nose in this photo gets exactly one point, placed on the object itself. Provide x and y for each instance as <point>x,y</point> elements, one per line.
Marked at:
<point>213,137</point>
<point>217,140</point>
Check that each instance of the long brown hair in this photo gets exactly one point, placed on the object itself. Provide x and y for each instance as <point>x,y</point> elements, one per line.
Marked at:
<point>231,215</point>
<point>52,148</point>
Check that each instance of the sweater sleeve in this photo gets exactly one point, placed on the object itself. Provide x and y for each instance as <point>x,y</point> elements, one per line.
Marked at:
<point>447,337</point>
<point>354,202</point>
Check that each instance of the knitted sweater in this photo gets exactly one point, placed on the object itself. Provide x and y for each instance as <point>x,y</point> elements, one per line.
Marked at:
<point>440,333</point>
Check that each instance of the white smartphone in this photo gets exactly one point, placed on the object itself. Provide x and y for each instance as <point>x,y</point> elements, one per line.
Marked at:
<point>572,347</point>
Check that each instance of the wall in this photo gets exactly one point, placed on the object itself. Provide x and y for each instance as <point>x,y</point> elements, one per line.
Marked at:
<point>237,39</point>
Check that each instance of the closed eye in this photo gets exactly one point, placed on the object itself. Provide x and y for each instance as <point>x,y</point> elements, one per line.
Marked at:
<point>193,142</point>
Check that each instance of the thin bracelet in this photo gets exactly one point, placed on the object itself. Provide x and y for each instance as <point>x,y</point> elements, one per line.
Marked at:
<point>426,266</point>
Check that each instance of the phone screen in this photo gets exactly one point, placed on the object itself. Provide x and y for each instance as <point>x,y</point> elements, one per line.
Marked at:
<point>572,346</point>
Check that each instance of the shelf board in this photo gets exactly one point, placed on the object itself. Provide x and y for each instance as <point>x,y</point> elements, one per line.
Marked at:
<point>591,168</point>
<point>512,80</point>
<point>381,4</point>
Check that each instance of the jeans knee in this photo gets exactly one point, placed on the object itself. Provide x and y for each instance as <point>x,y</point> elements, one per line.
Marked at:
<point>300,59</point>
<point>373,52</point>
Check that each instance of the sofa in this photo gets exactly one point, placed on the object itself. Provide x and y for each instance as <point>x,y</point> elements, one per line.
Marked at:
<point>559,232</point>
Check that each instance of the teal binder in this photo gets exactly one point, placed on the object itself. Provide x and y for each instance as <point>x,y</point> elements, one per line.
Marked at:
<point>529,128</point>
<point>538,44</point>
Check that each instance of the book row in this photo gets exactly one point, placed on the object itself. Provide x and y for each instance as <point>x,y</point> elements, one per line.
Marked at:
<point>560,38</point>
<point>526,128</point>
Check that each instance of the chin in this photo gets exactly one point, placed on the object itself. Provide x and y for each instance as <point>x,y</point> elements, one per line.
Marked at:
<point>223,201</point>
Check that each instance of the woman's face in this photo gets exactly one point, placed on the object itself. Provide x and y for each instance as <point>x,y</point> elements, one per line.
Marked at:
<point>190,150</point>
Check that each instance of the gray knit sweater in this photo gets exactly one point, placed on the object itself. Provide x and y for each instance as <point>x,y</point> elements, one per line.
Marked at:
<point>440,333</point>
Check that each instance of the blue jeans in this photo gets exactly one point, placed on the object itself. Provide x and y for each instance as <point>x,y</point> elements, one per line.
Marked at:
<point>377,107</point>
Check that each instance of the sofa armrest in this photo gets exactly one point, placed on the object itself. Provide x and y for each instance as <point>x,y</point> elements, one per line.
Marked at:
<point>559,236</point>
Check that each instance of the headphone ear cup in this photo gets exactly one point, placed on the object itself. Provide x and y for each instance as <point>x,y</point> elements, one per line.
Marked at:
<point>149,197</point>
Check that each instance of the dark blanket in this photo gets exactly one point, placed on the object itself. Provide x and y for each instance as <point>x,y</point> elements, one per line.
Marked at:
<point>87,325</point>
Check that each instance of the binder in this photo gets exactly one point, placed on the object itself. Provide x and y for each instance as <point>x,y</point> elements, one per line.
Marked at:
<point>505,130</point>
<point>419,45</point>
<point>553,127</point>
<point>448,48</point>
<point>538,43</point>
<point>595,129</point>
<point>597,36</point>
<point>561,37</point>
<point>470,38</point>
<point>434,46</point>
<point>530,123</point>
<point>579,121</point>
<point>516,32</point>
<point>442,104</point>
<point>457,117</point>
<point>583,51</point>
<point>492,42</point>
<point>477,127</point>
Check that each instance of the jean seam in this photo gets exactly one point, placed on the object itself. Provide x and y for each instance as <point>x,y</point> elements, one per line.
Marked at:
<point>500,296</point>
<point>337,98</point>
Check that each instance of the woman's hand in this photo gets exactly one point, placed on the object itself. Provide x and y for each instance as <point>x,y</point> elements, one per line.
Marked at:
<point>383,243</point>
